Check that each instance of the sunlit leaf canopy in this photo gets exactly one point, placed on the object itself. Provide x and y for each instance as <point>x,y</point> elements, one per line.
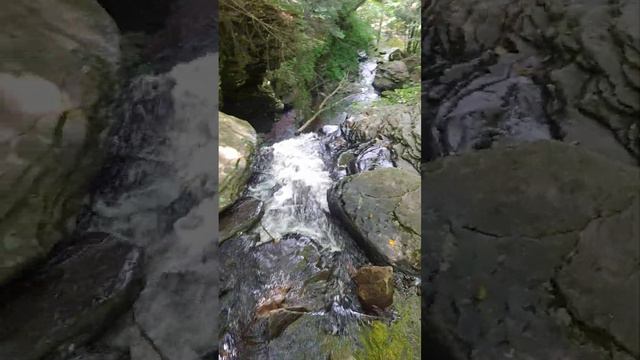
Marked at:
<point>397,22</point>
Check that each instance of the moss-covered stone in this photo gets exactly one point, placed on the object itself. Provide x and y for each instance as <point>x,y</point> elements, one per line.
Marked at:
<point>382,209</point>
<point>51,113</point>
<point>238,141</point>
<point>396,340</point>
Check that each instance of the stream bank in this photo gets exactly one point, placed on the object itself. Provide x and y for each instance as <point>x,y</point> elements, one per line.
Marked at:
<point>289,289</point>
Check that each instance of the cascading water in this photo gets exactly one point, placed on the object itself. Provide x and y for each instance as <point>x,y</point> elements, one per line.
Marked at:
<point>299,204</point>
<point>297,258</point>
<point>367,74</point>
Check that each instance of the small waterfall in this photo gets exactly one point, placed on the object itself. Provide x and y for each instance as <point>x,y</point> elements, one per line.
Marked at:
<point>296,241</point>
<point>294,192</point>
<point>367,75</point>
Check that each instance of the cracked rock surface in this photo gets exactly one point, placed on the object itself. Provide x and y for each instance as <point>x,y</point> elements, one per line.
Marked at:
<point>381,209</point>
<point>540,262</point>
<point>503,71</point>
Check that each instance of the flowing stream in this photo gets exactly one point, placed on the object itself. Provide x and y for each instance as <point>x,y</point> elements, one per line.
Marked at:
<point>297,259</point>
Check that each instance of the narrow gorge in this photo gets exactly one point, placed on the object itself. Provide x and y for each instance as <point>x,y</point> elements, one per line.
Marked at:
<point>319,211</point>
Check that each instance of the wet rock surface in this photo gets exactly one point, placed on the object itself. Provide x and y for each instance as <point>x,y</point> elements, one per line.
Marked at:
<point>292,278</point>
<point>238,141</point>
<point>240,217</point>
<point>157,191</point>
<point>153,192</point>
<point>70,299</point>
<point>380,208</point>
<point>375,286</point>
<point>370,156</point>
<point>400,130</point>
<point>568,71</point>
<point>512,260</point>
<point>529,265</point>
<point>502,107</point>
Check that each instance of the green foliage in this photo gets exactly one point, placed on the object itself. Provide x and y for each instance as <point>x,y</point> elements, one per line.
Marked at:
<point>397,22</point>
<point>298,49</point>
<point>324,57</point>
<point>297,75</point>
<point>341,53</point>
<point>406,95</point>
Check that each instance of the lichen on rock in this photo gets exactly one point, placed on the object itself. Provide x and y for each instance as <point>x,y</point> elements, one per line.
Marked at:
<point>238,141</point>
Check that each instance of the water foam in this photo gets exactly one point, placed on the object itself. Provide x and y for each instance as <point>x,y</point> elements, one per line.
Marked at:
<point>300,179</point>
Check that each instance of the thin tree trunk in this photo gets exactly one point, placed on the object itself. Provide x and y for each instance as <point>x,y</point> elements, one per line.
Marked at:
<point>379,30</point>
<point>322,107</point>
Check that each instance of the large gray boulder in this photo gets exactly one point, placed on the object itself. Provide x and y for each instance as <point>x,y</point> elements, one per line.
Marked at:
<point>58,63</point>
<point>238,142</point>
<point>532,253</point>
<point>381,209</point>
<point>391,75</point>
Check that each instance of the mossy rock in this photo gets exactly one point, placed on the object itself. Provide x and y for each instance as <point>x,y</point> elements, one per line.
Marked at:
<point>396,340</point>
<point>381,208</point>
<point>52,109</point>
<point>238,141</point>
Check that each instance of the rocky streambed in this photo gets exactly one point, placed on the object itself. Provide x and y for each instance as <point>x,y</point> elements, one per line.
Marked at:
<point>325,240</point>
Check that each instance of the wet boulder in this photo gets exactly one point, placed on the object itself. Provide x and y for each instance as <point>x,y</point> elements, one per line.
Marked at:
<point>398,125</point>
<point>240,217</point>
<point>588,74</point>
<point>51,111</point>
<point>381,208</point>
<point>536,262</point>
<point>294,341</point>
<point>370,156</point>
<point>375,287</point>
<point>238,141</point>
<point>70,299</point>
<point>391,75</point>
<point>501,107</point>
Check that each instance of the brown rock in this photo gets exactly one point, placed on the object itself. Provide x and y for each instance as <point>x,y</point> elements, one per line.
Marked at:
<point>375,287</point>
<point>272,302</point>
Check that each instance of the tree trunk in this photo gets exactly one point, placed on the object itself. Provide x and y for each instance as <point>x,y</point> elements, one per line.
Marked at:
<point>379,30</point>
